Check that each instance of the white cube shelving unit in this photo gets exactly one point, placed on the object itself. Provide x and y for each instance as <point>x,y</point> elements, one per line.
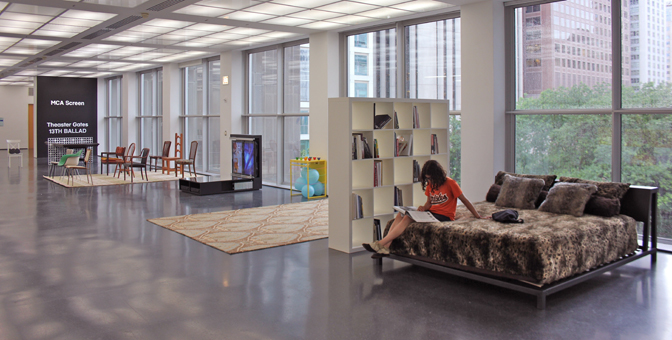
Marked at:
<point>347,176</point>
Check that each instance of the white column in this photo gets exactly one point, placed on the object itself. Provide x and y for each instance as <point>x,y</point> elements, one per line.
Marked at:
<point>129,109</point>
<point>483,104</point>
<point>324,84</point>
<point>231,105</point>
<point>102,124</point>
<point>171,103</point>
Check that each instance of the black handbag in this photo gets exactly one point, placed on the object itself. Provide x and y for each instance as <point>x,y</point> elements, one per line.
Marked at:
<point>14,151</point>
<point>507,216</point>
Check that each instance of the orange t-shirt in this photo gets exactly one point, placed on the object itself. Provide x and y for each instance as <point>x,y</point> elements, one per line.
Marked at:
<point>444,198</point>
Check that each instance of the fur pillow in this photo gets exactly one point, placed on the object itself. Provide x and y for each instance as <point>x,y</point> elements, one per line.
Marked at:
<point>604,189</point>
<point>568,198</point>
<point>601,206</point>
<point>493,192</point>
<point>519,192</point>
<point>548,179</point>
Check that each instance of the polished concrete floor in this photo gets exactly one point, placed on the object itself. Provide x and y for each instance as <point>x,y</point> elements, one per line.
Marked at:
<point>85,264</point>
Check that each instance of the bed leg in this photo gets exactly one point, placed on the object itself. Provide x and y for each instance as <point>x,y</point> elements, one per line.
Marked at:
<point>541,301</point>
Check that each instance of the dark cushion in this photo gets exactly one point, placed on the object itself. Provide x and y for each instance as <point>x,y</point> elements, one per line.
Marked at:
<point>493,192</point>
<point>568,198</point>
<point>548,179</point>
<point>519,192</point>
<point>541,198</point>
<point>604,189</point>
<point>601,206</point>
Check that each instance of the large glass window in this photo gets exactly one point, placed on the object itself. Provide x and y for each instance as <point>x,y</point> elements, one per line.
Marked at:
<point>372,60</point>
<point>113,112</point>
<point>201,114</point>
<point>433,64</point>
<point>278,107</point>
<point>150,115</point>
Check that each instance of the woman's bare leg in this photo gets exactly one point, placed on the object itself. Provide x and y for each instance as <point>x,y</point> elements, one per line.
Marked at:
<point>397,227</point>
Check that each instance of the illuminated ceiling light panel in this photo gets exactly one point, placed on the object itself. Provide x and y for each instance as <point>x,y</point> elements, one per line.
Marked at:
<point>63,28</point>
<point>59,34</point>
<point>231,4</point>
<point>31,9</point>
<point>384,13</point>
<point>287,21</point>
<point>208,40</point>
<point>87,63</point>
<point>168,23</point>
<point>209,27</point>
<point>120,3</point>
<point>19,24</point>
<point>102,47</point>
<point>204,11</point>
<point>37,43</point>
<point>133,67</point>
<point>8,40</point>
<point>384,2</point>
<point>55,63</point>
<point>81,53</point>
<point>163,41</point>
<point>241,42</point>
<point>75,22</point>
<point>114,64</point>
<point>273,9</point>
<point>55,73</point>
<point>246,31</point>
<point>315,14</point>
<point>86,15</point>
<point>421,5</point>
<point>224,36</point>
<point>144,29</point>
<point>128,37</point>
<point>83,72</point>
<point>279,34</point>
<point>25,17</point>
<point>322,25</point>
<point>189,33</point>
<point>15,78</point>
<point>15,30</point>
<point>146,56</point>
<point>247,16</point>
<point>347,7</point>
<point>352,20</point>
<point>29,73</point>
<point>100,74</point>
<point>306,3</point>
<point>23,50</point>
<point>193,44</point>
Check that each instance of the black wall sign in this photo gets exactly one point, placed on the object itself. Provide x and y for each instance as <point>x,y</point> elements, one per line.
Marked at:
<point>66,107</point>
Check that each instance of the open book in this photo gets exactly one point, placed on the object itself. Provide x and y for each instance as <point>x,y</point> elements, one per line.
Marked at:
<point>417,216</point>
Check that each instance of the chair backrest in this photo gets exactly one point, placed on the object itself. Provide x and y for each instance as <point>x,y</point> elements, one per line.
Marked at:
<point>73,160</point>
<point>69,151</point>
<point>166,148</point>
<point>119,152</point>
<point>129,152</point>
<point>13,146</point>
<point>87,156</point>
<point>178,145</point>
<point>144,153</point>
<point>192,151</point>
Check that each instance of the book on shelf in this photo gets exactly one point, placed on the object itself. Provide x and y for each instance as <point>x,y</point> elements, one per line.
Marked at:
<point>398,197</point>
<point>356,210</point>
<point>380,121</point>
<point>360,147</point>
<point>377,173</point>
<point>416,171</point>
<point>376,153</point>
<point>435,144</point>
<point>367,149</point>
<point>417,216</point>
<point>403,145</point>
<point>377,230</point>
<point>396,120</point>
<point>416,118</point>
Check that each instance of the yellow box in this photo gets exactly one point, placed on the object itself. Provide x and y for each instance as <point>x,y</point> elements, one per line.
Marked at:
<point>300,164</point>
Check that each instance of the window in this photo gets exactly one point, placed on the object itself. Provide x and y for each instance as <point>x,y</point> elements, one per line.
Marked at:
<point>380,63</point>
<point>113,117</point>
<point>200,118</point>
<point>150,120</point>
<point>361,40</point>
<point>361,89</point>
<point>282,120</point>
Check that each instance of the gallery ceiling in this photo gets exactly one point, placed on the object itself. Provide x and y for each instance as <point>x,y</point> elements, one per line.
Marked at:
<point>100,38</point>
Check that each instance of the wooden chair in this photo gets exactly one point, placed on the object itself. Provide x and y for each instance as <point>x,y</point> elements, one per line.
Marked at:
<point>126,159</point>
<point>165,161</point>
<point>106,159</point>
<point>14,151</point>
<point>165,153</point>
<point>191,162</point>
<point>144,153</point>
<point>70,169</point>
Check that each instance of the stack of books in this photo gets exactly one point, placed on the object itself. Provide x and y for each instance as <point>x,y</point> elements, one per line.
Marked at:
<point>356,210</point>
<point>398,197</point>
<point>416,119</point>
<point>416,171</point>
<point>376,153</point>
<point>360,147</point>
<point>377,173</point>
<point>380,121</point>
<point>435,144</point>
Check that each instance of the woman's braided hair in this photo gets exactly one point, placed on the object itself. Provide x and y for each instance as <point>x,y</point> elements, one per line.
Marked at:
<point>435,172</point>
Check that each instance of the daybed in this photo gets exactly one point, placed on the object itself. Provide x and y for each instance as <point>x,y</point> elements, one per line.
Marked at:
<point>545,254</point>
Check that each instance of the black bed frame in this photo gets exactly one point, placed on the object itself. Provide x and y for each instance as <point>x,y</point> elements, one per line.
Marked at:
<point>639,202</point>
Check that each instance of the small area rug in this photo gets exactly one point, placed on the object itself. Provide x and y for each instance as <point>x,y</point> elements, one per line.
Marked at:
<point>101,180</point>
<point>242,230</point>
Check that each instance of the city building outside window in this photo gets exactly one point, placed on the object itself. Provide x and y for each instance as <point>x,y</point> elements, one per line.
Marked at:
<point>150,101</point>
<point>373,62</point>
<point>113,118</point>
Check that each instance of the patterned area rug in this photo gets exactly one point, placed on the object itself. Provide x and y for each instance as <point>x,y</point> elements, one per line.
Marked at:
<point>100,180</point>
<point>242,230</point>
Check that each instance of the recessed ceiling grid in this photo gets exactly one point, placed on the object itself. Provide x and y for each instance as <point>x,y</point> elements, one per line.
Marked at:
<point>95,38</point>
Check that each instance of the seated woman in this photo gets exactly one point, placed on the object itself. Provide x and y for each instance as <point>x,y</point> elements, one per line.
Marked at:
<point>442,193</point>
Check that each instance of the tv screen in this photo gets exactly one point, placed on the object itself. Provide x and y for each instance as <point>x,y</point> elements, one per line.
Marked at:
<point>237,152</point>
<point>249,158</point>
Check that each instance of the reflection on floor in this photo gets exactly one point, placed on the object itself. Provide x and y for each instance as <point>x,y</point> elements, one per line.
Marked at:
<point>84,263</point>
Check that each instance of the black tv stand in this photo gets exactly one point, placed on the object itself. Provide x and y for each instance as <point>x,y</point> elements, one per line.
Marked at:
<point>210,185</point>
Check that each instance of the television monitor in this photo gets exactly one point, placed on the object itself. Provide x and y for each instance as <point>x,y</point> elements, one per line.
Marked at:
<point>237,152</point>
<point>249,158</point>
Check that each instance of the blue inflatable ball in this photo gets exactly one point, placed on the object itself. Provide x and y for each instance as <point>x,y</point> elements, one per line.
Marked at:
<point>304,172</point>
<point>299,183</point>
<point>307,191</point>
<point>319,188</point>
<point>313,176</point>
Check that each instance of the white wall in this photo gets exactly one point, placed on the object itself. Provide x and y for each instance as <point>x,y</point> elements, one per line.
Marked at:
<point>483,94</point>
<point>231,105</point>
<point>324,84</point>
<point>14,110</point>
<point>171,103</point>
